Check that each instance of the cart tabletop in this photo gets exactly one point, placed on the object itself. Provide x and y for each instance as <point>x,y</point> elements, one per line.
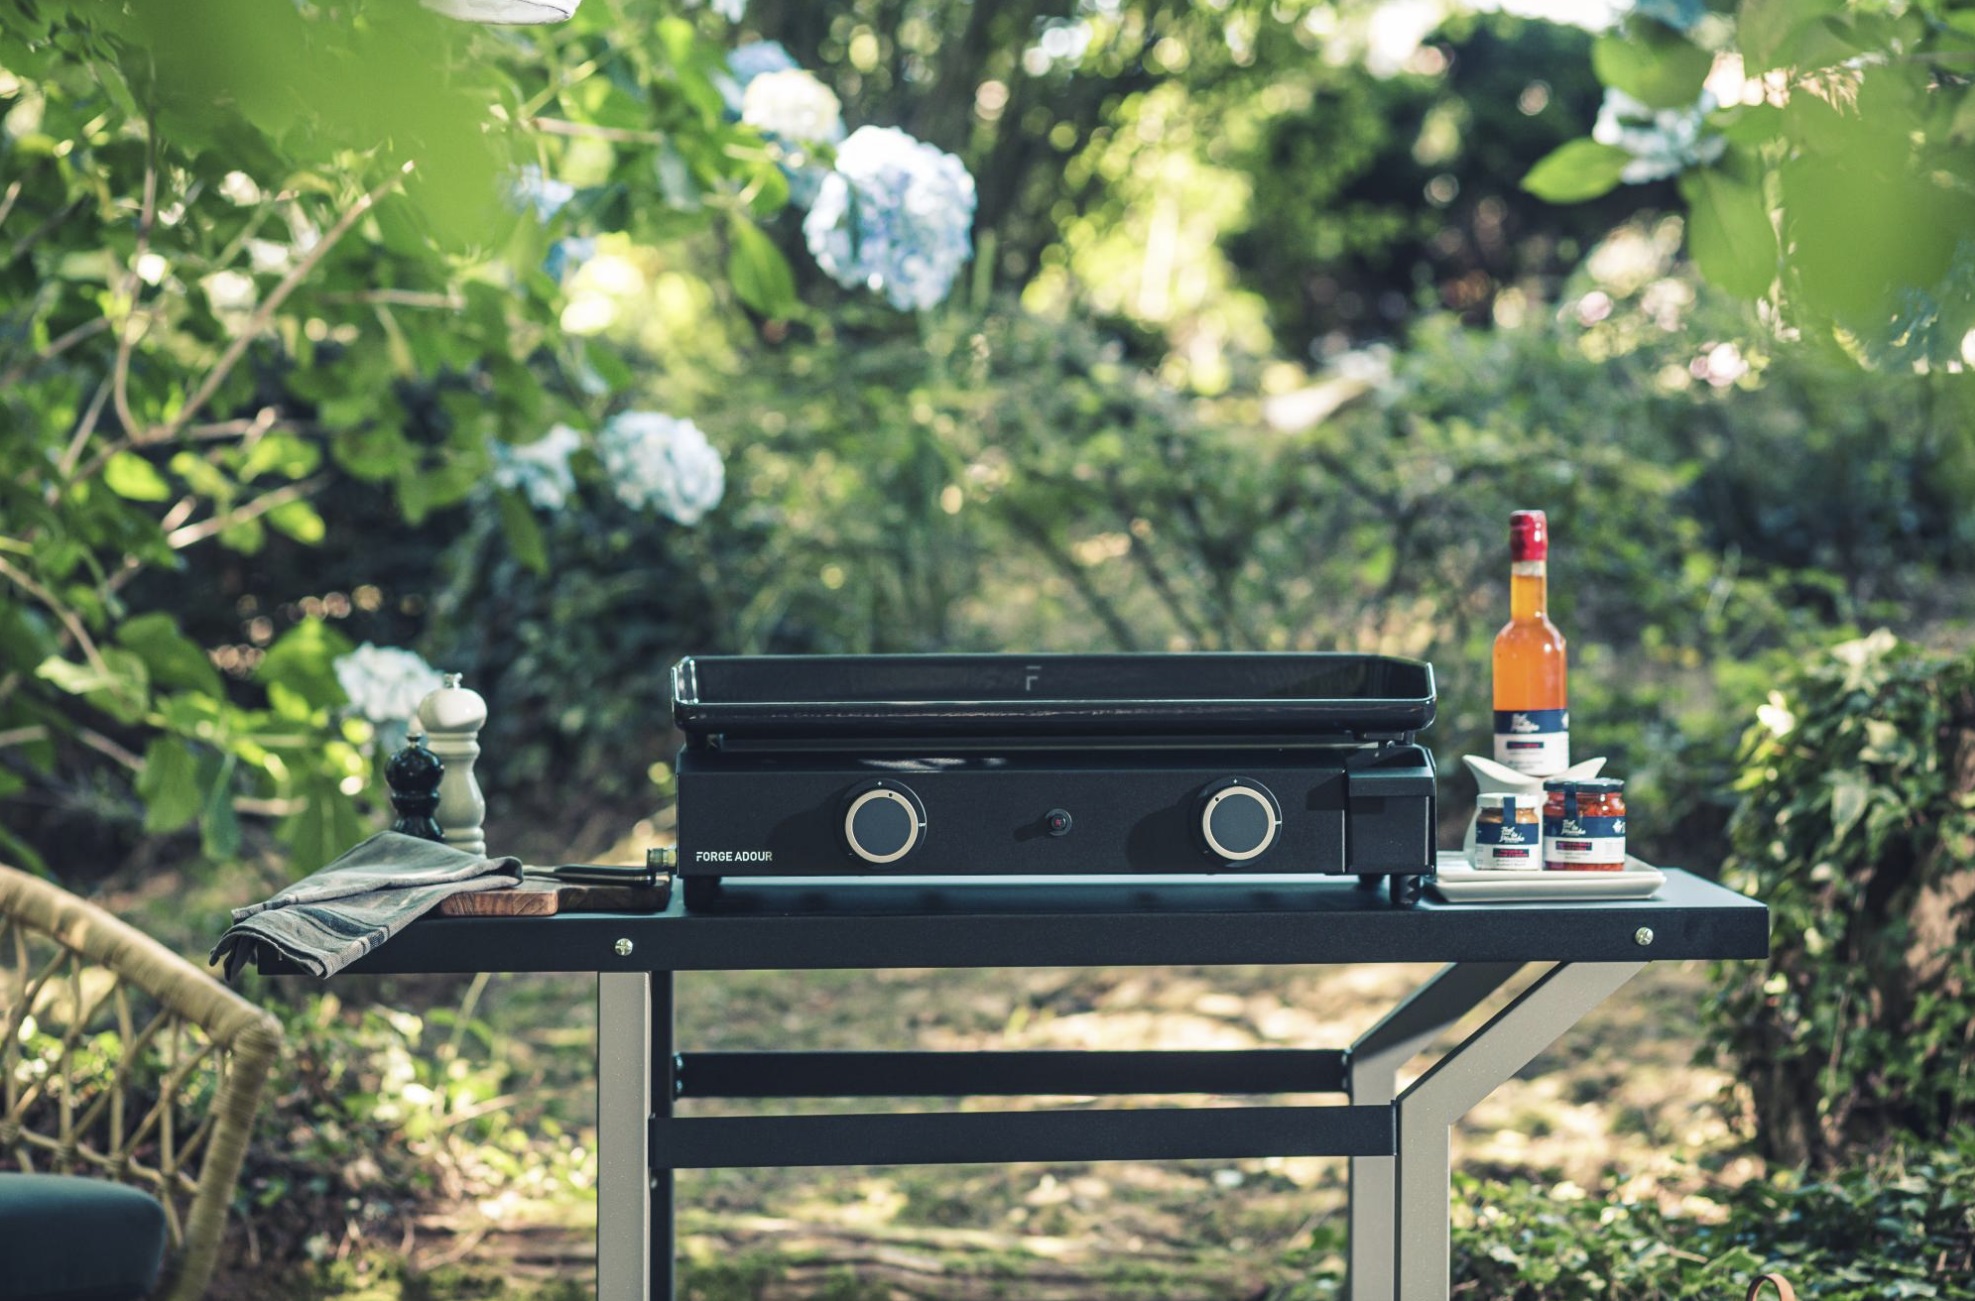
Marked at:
<point>1080,921</point>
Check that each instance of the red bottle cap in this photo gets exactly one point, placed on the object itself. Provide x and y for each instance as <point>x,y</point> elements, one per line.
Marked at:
<point>1529,536</point>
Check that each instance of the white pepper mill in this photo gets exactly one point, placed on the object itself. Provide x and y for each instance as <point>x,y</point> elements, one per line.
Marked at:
<point>452,717</point>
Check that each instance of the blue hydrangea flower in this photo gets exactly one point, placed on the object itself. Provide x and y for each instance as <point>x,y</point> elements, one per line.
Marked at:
<point>566,255</point>
<point>662,463</point>
<point>895,216</point>
<point>1680,15</point>
<point>384,683</point>
<point>545,194</point>
<point>539,469</point>
<point>1662,142</point>
<point>745,63</point>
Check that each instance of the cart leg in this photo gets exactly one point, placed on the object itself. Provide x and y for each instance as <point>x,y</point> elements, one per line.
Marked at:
<point>1373,1080</point>
<point>1422,1256</point>
<point>625,1205</point>
<point>665,1088</point>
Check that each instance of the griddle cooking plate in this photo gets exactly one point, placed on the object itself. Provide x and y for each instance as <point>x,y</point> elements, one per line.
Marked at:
<point>819,697</point>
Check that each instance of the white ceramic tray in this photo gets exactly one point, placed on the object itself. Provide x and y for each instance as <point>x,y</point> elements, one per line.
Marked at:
<point>1458,882</point>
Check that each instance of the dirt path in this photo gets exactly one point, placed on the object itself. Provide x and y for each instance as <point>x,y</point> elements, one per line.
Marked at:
<point>1617,1099</point>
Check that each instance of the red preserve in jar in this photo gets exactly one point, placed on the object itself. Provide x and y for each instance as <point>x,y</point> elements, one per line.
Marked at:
<point>1584,825</point>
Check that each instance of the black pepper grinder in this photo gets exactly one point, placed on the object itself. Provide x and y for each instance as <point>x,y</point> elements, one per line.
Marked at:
<point>413,776</point>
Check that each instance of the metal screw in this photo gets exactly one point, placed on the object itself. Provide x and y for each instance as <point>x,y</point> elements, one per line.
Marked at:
<point>623,947</point>
<point>1642,937</point>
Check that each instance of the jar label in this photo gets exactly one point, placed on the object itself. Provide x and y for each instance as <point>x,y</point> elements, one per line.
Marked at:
<point>1584,840</point>
<point>1525,858</point>
<point>1533,741</point>
<point>1506,833</point>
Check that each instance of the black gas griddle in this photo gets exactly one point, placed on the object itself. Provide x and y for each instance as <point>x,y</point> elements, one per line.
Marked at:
<point>1052,765</point>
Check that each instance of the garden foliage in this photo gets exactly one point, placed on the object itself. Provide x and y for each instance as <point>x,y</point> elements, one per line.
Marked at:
<point>1857,827</point>
<point>253,255</point>
<point>1902,1227</point>
<point>994,478</point>
<point>554,355</point>
<point>1794,129</point>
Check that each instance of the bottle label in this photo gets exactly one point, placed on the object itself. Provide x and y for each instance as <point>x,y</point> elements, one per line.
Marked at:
<point>1533,741</point>
<point>1584,840</point>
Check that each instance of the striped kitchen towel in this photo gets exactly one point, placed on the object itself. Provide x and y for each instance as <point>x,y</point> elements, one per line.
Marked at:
<point>330,918</point>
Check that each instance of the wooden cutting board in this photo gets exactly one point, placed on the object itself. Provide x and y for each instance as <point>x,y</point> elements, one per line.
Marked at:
<point>547,898</point>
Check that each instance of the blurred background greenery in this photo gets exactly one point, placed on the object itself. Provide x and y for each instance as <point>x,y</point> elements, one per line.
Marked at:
<point>340,322</point>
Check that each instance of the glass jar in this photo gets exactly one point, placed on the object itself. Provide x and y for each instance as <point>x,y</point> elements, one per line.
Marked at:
<point>1584,825</point>
<point>1508,834</point>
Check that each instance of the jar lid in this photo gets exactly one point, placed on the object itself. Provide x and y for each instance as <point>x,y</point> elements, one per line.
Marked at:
<point>1500,800</point>
<point>1585,785</point>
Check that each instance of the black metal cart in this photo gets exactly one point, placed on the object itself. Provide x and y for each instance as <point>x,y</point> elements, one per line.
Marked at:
<point>1397,1142</point>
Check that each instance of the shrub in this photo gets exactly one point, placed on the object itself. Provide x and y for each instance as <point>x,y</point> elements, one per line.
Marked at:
<point>1857,828</point>
<point>1898,1228</point>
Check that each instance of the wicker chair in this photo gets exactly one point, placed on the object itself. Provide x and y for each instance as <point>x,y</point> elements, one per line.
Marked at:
<point>121,1060</point>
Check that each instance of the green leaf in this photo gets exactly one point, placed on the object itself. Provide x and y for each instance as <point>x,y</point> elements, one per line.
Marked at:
<point>299,521</point>
<point>1655,65</point>
<point>1850,794</point>
<point>76,679</point>
<point>1751,126</point>
<point>205,478</point>
<point>282,452</point>
<point>524,535</point>
<point>288,703</point>
<point>22,853</point>
<point>171,657</point>
<point>130,476</point>
<point>219,826</point>
<point>120,689</point>
<point>246,536</point>
<point>609,367</point>
<point>374,452</point>
<point>327,825</point>
<point>1768,31</point>
<point>169,785</point>
<point>1576,171</point>
<point>1729,233</point>
<point>303,660</point>
<point>760,273</point>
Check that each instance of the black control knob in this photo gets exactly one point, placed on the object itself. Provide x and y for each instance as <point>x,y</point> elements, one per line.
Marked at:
<point>883,822</point>
<point>1239,819</point>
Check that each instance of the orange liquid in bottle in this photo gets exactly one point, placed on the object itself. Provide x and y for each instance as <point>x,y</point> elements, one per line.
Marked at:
<point>1532,723</point>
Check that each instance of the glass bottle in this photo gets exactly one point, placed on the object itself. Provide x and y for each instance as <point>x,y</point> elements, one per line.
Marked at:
<point>1532,718</point>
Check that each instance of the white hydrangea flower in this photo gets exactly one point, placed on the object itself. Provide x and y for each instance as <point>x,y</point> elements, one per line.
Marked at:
<point>539,469</point>
<point>745,63</point>
<point>1662,142</point>
<point>660,462</point>
<point>895,216</point>
<point>385,683</point>
<point>505,11</point>
<point>793,105</point>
